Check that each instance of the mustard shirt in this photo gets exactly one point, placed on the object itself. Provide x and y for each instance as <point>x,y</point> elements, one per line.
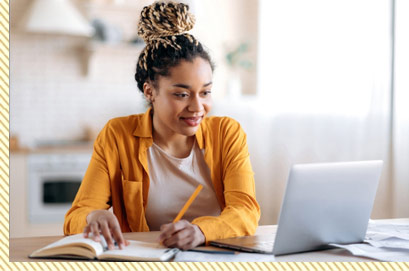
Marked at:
<point>118,176</point>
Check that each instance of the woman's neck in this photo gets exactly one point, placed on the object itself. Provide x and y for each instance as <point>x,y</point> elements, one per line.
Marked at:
<point>178,146</point>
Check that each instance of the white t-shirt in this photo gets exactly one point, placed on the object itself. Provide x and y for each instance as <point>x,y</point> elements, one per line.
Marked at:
<point>172,182</point>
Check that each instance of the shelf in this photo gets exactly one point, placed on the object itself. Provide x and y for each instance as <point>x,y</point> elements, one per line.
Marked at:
<point>104,47</point>
<point>130,6</point>
<point>92,49</point>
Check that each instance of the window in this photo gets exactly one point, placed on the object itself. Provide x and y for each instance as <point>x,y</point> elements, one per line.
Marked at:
<point>324,57</point>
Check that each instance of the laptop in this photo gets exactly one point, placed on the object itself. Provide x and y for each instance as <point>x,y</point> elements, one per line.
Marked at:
<point>323,203</point>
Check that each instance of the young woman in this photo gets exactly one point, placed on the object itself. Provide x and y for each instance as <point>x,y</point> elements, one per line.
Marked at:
<point>146,166</point>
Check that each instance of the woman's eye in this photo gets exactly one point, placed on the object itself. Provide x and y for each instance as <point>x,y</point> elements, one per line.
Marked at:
<point>181,95</point>
<point>207,92</point>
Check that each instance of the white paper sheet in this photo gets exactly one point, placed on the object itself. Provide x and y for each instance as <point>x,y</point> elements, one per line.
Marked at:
<point>382,254</point>
<point>383,241</point>
<point>379,231</point>
<point>187,256</point>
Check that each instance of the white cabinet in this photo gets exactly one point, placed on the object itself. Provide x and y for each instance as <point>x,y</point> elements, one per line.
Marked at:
<point>19,224</point>
<point>22,192</point>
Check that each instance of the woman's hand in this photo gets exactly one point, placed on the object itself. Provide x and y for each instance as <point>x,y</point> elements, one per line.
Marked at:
<point>105,222</point>
<point>182,234</point>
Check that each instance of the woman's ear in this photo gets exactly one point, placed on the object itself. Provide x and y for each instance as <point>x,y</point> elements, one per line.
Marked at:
<point>148,91</point>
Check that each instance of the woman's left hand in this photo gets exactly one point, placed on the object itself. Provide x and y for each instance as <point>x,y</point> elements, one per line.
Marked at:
<point>182,234</point>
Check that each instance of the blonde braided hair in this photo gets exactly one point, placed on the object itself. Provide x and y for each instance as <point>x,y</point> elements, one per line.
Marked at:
<point>163,26</point>
<point>160,23</point>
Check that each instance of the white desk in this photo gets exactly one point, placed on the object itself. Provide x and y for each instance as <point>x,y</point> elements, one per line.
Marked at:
<point>20,248</point>
<point>330,255</point>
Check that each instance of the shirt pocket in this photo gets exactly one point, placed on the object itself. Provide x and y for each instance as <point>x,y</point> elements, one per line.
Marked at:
<point>133,201</point>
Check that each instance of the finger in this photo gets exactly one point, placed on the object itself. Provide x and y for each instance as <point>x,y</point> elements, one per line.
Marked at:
<point>86,231</point>
<point>179,239</point>
<point>165,226</point>
<point>95,232</point>
<point>166,231</point>
<point>181,231</point>
<point>107,235</point>
<point>191,236</point>
<point>188,246</point>
<point>170,229</point>
<point>117,234</point>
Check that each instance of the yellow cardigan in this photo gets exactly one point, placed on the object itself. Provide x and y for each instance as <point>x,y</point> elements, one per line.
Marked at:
<point>118,176</point>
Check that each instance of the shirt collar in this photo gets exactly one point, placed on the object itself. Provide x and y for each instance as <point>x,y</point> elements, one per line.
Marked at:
<point>199,135</point>
<point>144,129</point>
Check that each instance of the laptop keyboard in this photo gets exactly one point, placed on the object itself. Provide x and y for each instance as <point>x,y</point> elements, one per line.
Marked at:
<point>263,245</point>
<point>249,241</point>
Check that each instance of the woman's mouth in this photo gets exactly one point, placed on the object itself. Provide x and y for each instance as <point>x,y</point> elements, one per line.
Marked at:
<point>192,121</point>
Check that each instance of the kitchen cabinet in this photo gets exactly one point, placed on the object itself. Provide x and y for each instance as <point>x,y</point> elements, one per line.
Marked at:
<point>22,191</point>
<point>19,224</point>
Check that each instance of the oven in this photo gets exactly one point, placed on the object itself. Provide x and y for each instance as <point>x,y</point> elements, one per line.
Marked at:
<point>54,179</point>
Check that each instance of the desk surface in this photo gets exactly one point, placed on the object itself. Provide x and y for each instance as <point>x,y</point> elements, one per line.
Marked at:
<point>20,248</point>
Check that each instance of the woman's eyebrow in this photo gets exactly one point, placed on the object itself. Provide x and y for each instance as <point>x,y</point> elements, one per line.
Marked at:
<point>181,86</point>
<point>188,87</point>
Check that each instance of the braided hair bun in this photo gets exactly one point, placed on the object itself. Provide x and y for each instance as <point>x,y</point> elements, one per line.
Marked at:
<point>163,26</point>
<point>164,19</point>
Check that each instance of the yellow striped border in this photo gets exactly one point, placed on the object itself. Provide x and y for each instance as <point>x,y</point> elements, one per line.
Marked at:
<point>4,208</point>
<point>201,266</point>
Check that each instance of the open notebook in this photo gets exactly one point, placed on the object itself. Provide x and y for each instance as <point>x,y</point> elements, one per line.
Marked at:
<point>78,247</point>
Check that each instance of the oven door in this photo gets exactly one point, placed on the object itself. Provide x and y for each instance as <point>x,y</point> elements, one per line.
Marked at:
<point>53,183</point>
<point>51,195</point>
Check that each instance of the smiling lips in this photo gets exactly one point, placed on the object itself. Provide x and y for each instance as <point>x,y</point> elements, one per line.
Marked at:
<point>192,121</point>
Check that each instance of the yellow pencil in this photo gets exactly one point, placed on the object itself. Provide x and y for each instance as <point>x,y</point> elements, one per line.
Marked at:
<point>187,204</point>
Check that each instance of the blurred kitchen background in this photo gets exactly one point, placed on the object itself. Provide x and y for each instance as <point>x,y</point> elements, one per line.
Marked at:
<point>310,81</point>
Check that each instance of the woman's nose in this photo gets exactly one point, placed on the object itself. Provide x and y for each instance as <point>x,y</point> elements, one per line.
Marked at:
<point>195,104</point>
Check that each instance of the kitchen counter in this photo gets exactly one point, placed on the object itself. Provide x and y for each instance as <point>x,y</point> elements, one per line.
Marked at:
<point>81,146</point>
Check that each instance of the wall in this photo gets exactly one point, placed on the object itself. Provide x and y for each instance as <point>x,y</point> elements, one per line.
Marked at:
<point>53,98</point>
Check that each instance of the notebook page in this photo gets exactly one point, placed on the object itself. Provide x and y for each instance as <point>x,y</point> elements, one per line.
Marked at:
<point>138,250</point>
<point>72,241</point>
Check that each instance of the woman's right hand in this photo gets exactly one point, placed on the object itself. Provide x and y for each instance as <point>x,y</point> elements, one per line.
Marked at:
<point>105,222</point>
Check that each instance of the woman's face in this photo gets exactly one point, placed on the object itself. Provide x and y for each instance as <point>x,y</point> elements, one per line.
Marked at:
<point>182,99</point>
